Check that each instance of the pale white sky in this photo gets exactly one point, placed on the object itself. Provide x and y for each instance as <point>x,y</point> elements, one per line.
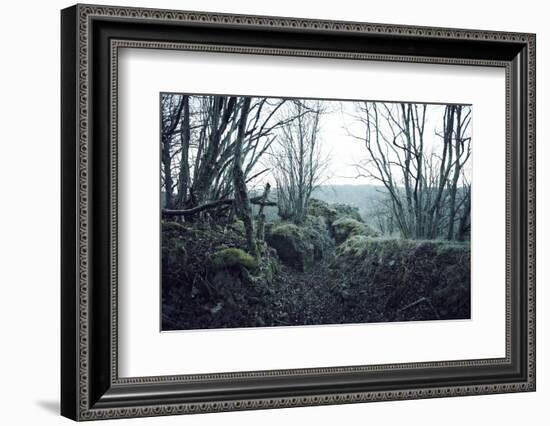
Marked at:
<point>343,150</point>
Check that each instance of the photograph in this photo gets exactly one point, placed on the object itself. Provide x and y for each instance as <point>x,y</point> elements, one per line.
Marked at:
<point>280,211</point>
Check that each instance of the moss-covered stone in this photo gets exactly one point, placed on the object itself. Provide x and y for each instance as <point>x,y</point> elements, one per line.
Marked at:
<point>354,246</point>
<point>292,245</point>
<point>340,220</point>
<point>347,227</point>
<point>318,208</point>
<point>317,233</point>
<point>332,212</point>
<point>443,252</point>
<point>345,210</point>
<point>288,230</point>
<point>232,257</point>
<point>315,222</point>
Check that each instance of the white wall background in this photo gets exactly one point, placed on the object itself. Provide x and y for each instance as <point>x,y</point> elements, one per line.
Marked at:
<point>29,212</point>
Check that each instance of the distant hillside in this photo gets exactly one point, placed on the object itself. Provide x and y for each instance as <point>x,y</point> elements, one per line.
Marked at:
<point>365,197</point>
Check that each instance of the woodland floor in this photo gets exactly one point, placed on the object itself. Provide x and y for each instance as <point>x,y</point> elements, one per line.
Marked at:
<point>379,281</point>
<point>315,297</point>
<point>304,298</point>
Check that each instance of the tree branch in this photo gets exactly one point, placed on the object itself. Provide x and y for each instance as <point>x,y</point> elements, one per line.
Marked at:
<point>212,205</point>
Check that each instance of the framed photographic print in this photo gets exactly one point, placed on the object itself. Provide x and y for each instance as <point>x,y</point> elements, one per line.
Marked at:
<point>263,212</point>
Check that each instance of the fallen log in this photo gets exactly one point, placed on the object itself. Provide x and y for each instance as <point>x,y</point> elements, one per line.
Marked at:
<point>212,205</point>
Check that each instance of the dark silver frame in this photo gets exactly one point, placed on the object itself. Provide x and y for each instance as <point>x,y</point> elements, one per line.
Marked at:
<point>91,38</point>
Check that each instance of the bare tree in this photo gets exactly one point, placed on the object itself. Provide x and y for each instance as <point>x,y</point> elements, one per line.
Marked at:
<point>185,142</point>
<point>200,134</point>
<point>297,161</point>
<point>462,153</point>
<point>222,117</point>
<point>464,222</point>
<point>171,114</point>
<point>382,215</point>
<point>422,181</point>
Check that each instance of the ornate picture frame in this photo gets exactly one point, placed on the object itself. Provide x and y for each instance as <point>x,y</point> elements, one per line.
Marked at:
<point>91,37</point>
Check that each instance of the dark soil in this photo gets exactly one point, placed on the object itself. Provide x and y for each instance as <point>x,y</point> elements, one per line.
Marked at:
<point>304,298</point>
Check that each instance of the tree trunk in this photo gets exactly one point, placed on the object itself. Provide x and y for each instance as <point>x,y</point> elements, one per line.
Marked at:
<point>168,129</point>
<point>242,203</point>
<point>456,175</point>
<point>166,164</point>
<point>464,225</point>
<point>183,179</point>
<point>221,113</point>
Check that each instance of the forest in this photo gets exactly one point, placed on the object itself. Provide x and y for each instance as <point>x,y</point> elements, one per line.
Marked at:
<point>286,211</point>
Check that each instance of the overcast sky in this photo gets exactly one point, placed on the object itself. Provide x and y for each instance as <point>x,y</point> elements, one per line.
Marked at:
<point>344,150</point>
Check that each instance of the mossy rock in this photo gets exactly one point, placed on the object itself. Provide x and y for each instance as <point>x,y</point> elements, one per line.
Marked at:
<point>318,208</point>
<point>292,245</point>
<point>354,246</point>
<point>345,210</point>
<point>287,230</point>
<point>315,222</point>
<point>361,247</point>
<point>442,252</point>
<point>317,233</point>
<point>230,258</point>
<point>347,227</point>
<point>332,212</point>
